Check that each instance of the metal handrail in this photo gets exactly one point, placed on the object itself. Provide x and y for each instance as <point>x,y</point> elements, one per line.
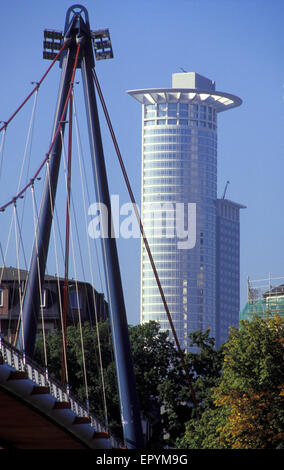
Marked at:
<point>37,374</point>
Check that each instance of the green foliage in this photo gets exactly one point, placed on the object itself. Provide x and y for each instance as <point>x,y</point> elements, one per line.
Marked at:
<point>204,366</point>
<point>239,387</point>
<point>254,356</point>
<point>247,402</point>
<point>154,358</point>
<point>163,392</point>
<point>154,355</point>
<point>200,433</point>
<point>77,363</point>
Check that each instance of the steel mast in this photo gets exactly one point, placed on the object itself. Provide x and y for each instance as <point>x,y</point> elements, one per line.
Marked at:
<point>77,31</point>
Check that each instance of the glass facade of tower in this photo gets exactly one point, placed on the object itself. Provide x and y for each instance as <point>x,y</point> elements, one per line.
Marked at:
<point>179,191</point>
<point>227,267</point>
<point>179,166</point>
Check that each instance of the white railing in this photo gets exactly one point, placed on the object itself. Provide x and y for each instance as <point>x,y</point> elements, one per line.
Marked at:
<point>16,359</point>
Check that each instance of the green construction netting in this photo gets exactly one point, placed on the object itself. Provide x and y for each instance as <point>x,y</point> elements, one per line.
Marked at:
<point>263,308</point>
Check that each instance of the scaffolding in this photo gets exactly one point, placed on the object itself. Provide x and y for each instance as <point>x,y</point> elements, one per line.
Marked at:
<point>265,298</point>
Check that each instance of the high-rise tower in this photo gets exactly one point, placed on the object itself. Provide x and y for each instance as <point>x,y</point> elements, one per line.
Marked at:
<point>227,267</point>
<point>179,201</point>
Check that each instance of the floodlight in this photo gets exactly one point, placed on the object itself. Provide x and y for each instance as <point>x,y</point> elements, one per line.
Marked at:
<point>52,34</point>
<point>102,44</point>
<point>54,44</point>
<point>53,41</point>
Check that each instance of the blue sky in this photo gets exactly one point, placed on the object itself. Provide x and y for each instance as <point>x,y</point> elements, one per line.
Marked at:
<point>238,43</point>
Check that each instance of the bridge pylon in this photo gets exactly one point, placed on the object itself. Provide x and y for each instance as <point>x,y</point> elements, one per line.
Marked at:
<point>80,43</point>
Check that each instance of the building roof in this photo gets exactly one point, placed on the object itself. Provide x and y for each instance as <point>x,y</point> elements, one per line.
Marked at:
<point>14,274</point>
<point>231,203</point>
<point>8,274</point>
<point>188,86</point>
<point>220,100</point>
<point>275,291</point>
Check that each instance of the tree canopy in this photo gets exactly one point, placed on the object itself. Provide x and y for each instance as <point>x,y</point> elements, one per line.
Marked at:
<point>248,401</point>
<point>239,387</point>
<point>163,392</point>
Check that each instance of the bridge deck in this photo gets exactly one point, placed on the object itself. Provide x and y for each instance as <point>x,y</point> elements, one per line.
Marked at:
<point>37,413</point>
<point>22,427</point>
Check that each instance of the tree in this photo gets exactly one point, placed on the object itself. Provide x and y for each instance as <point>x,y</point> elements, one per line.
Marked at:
<point>154,356</point>
<point>204,364</point>
<point>163,389</point>
<point>252,387</point>
<point>98,384</point>
<point>155,359</point>
<point>248,401</point>
<point>163,392</point>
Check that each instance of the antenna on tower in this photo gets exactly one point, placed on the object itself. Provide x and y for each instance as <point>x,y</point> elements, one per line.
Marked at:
<point>225,190</point>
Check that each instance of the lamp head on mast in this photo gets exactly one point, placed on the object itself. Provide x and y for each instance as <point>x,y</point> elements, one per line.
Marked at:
<point>75,28</point>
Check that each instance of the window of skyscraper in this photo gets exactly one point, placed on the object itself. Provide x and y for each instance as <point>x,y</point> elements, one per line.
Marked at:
<point>162,109</point>
<point>172,109</point>
<point>183,110</point>
<point>183,106</point>
<point>150,110</point>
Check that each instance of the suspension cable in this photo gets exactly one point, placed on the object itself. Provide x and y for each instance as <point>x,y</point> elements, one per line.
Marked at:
<point>79,150</point>
<point>66,286</point>
<point>28,140</point>
<point>21,239</point>
<point>34,89</point>
<point>6,249</point>
<point>80,325</point>
<point>47,156</point>
<point>2,150</point>
<point>67,226</point>
<point>19,276</point>
<point>145,240</point>
<point>59,129</point>
<point>35,214</point>
<point>59,294</point>
<point>28,150</point>
<point>69,234</point>
<point>17,224</point>
<point>4,256</point>
<point>83,177</point>
<point>46,160</point>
